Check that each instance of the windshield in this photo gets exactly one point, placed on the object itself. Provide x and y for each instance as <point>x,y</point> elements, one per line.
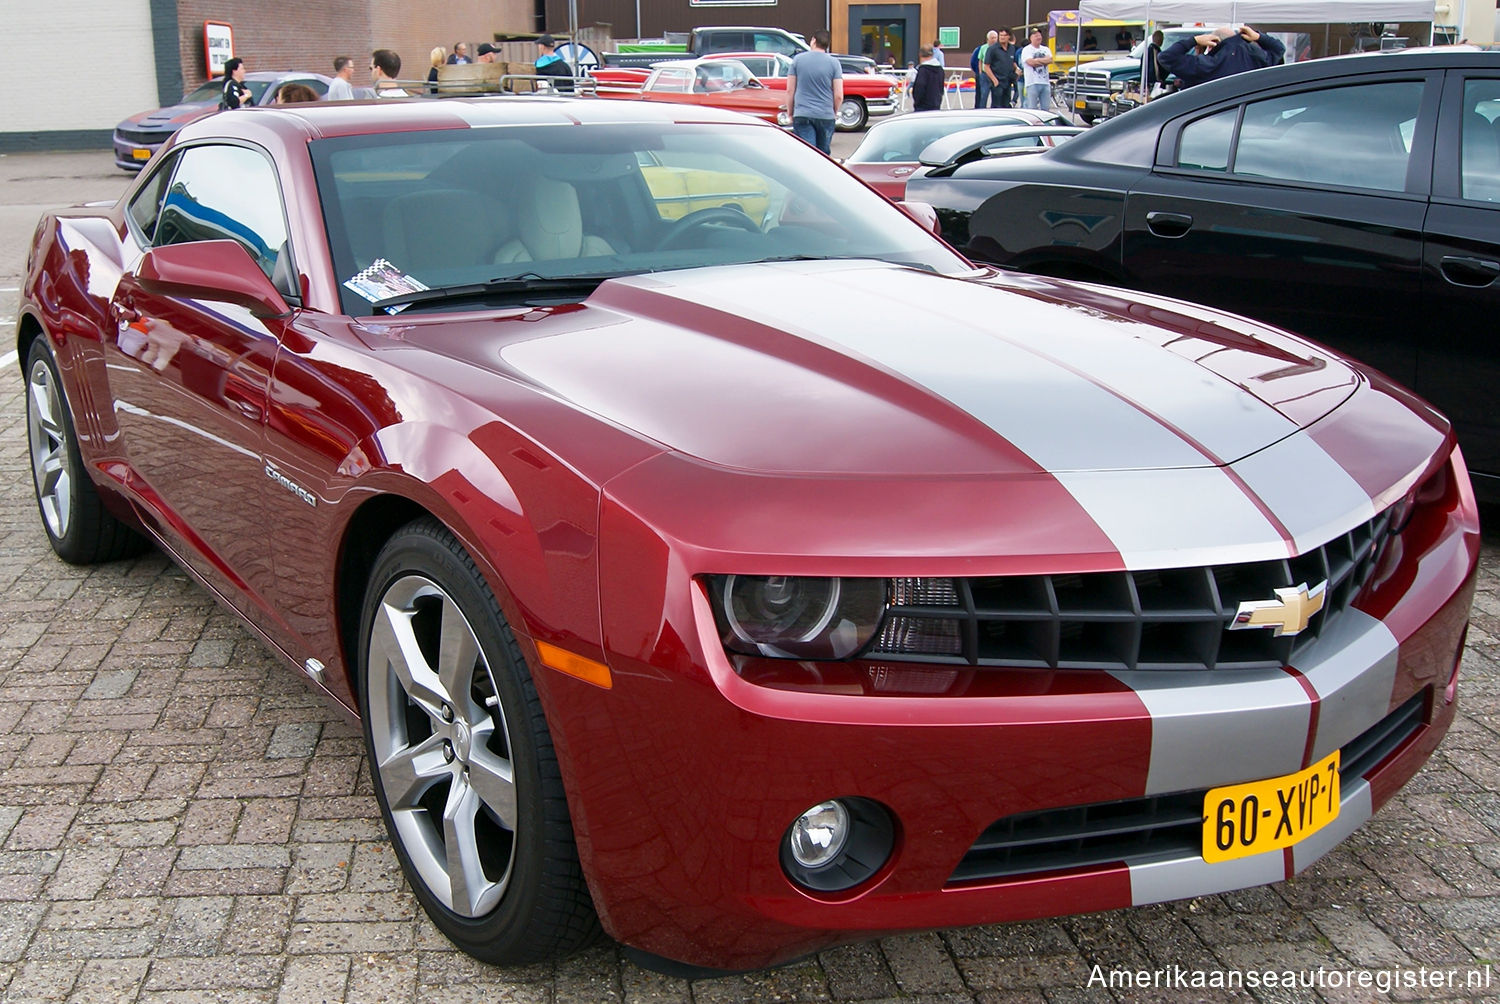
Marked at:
<point>210,91</point>
<point>214,90</point>
<point>464,206</point>
<point>903,140</point>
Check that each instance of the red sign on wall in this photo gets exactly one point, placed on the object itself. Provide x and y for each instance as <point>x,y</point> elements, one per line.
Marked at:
<point>218,46</point>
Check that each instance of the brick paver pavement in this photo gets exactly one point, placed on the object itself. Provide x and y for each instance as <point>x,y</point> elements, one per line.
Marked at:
<point>181,820</point>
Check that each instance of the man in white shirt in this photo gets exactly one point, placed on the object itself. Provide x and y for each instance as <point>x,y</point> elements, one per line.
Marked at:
<point>385,66</point>
<point>1035,59</point>
<point>343,72</point>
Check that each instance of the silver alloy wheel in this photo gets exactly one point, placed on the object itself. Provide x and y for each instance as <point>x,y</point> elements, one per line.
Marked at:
<point>48,438</point>
<point>441,747</point>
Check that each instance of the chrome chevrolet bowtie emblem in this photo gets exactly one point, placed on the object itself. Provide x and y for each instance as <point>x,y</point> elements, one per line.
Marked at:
<point>1288,613</point>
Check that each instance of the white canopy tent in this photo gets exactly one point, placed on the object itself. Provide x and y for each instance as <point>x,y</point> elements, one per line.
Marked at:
<point>1215,12</point>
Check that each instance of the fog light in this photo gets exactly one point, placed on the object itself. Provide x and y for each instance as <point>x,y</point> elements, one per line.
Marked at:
<point>838,844</point>
<point>819,834</point>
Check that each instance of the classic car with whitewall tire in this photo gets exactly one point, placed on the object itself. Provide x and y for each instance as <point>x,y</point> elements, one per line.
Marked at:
<point>747,580</point>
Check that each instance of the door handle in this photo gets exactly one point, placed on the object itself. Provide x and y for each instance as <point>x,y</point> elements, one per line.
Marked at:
<point>1476,272</point>
<point>123,313</point>
<point>1168,224</point>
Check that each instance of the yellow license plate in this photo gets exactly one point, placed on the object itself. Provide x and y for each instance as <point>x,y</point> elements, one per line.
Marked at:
<point>1244,819</point>
<point>1080,104</point>
<point>140,154</point>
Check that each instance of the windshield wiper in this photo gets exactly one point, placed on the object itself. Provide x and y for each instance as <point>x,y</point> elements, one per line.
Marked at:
<point>506,285</point>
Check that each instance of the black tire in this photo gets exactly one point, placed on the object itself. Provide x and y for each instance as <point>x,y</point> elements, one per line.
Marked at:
<point>520,896</point>
<point>852,115</point>
<point>81,530</point>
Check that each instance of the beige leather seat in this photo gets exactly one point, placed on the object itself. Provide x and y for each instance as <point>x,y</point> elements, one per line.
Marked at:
<point>443,228</point>
<point>549,225</point>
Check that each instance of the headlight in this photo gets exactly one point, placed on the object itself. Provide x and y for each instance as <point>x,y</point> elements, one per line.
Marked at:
<point>797,617</point>
<point>1117,87</point>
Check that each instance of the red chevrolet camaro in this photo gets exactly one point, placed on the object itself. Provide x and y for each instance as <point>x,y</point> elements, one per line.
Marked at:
<point>744,581</point>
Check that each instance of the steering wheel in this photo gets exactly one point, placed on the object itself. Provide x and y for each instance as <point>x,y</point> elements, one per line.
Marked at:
<point>705,217</point>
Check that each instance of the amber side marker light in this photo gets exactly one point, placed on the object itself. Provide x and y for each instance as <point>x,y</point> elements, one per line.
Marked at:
<point>567,662</point>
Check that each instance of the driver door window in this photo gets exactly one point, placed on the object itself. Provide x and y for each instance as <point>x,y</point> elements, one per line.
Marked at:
<point>225,193</point>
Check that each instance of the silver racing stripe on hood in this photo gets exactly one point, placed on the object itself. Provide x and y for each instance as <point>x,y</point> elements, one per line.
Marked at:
<point>1067,385</point>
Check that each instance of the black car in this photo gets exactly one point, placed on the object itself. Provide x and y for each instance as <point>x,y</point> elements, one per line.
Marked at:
<point>1355,200</point>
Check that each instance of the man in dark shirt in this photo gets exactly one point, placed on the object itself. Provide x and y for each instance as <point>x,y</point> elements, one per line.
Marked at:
<point>1153,70</point>
<point>1000,70</point>
<point>1222,52</point>
<point>236,91</point>
<point>550,64</point>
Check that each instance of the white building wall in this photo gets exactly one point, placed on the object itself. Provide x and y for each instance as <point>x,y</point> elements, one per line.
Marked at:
<point>75,64</point>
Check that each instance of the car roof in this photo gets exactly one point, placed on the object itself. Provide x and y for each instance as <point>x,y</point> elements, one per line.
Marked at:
<point>308,121</point>
<point>1331,68</point>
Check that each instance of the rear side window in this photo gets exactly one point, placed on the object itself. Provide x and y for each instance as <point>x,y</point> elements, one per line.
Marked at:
<point>1205,143</point>
<point>1481,140</point>
<point>1342,137</point>
<point>225,192</point>
<point>766,42</point>
<point>1347,137</point>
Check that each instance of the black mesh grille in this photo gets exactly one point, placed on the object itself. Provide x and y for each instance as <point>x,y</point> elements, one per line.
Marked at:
<point>143,137</point>
<point>1175,618</point>
<point>1142,829</point>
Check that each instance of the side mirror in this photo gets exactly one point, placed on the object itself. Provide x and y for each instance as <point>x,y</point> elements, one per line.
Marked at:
<point>211,270</point>
<point>923,214</point>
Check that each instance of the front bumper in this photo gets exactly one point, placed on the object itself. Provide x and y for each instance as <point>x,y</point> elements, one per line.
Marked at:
<point>133,153</point>
<point>684,779</point>
<point>881,106</point>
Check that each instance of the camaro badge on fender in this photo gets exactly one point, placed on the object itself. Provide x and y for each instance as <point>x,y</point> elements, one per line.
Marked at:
<point>1288,613</point>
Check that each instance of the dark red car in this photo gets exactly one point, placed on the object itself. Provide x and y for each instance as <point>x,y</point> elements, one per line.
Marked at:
<point>744,582</point>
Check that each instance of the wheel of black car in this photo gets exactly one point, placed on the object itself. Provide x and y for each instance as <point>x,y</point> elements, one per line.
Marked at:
<point>82,531</point>
<point>852,115</point>
<point>729,215</point>
<point>463,764</point>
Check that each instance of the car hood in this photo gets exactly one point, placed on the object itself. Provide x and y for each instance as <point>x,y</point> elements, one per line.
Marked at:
<point>863,367</point>
<point>172,117</point>
<point>1113,65</point>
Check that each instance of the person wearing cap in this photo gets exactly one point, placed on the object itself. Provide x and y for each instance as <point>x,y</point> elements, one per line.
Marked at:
<point>236,91</point>
<point>488,53</point>
<point>550,64</point>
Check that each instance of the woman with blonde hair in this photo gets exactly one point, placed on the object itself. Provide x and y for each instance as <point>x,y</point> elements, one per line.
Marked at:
<point>439,57</point>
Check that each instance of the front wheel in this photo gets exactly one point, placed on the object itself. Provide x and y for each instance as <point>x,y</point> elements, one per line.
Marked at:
<point>463,764</point>
<point>81,530</point>
<point>852,115</point>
